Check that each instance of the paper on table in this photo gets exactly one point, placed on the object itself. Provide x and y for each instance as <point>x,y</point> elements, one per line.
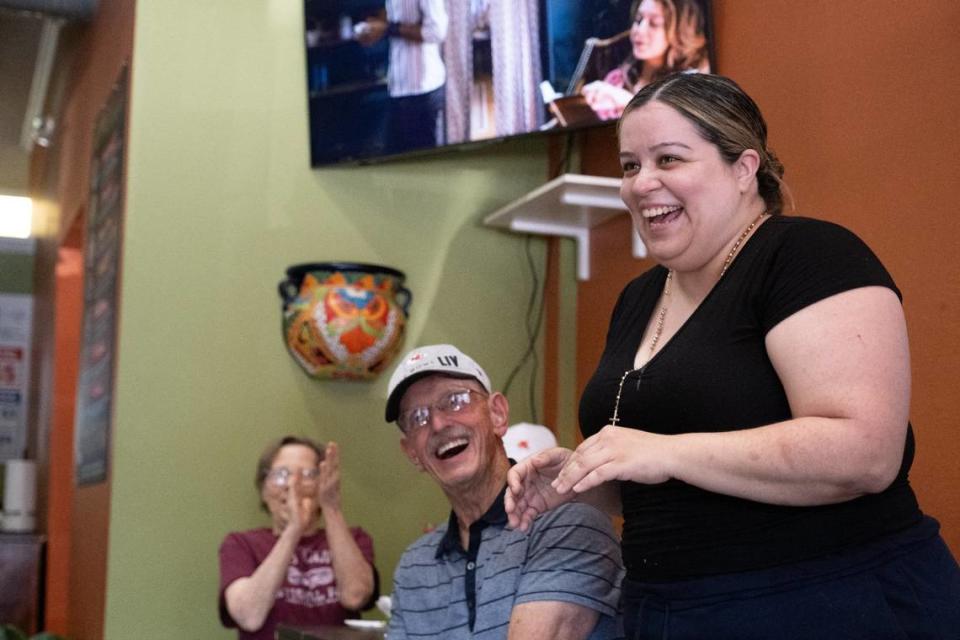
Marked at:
<point>365,624</point>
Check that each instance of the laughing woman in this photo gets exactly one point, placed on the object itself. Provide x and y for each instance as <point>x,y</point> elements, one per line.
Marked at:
<point>749,414</point>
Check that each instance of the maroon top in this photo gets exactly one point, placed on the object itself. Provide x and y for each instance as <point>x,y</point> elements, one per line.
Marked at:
<point>308,595</point>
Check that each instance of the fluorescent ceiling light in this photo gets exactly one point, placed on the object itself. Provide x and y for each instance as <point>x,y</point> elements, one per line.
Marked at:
<point>16,217</point>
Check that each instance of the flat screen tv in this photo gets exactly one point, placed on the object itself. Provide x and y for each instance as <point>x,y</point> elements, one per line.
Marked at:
<point>484,70</point>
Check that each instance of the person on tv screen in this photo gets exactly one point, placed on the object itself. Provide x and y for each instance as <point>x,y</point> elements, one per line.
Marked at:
<point>749,415</point>
<point>295,571</point>
<point>666,36</point>
<point>416,74</point>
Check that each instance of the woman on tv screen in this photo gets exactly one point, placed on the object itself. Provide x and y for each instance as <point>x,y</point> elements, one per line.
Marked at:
<point>665,36</point>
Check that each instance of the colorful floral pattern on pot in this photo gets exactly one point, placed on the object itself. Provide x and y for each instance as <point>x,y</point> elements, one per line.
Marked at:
<point>343,320</point>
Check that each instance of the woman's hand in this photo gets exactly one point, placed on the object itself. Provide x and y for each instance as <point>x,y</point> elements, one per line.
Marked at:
<point>529,487</point>
<point>299,507</point>
<point>615,453</point>
<point>328,480</point>
<point>606,100</point>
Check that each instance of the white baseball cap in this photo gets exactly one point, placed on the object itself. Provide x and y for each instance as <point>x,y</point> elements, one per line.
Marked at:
<point>444,359</point>
<point>525,439</point>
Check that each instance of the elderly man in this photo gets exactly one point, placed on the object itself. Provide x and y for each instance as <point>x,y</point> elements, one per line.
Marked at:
<point>474,577</point>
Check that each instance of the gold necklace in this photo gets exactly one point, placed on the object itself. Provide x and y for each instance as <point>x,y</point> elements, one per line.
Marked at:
<point>736,245</point>
<point>653,345</point>
<point>663,311</point>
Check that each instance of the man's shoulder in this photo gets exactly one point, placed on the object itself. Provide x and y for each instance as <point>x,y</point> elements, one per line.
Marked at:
<point>574,557</point>
<point>423,548</point>
<point>575,513</point>
<point>574,526</point>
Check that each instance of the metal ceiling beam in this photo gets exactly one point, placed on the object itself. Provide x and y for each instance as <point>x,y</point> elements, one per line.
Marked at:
<point>34,122</point>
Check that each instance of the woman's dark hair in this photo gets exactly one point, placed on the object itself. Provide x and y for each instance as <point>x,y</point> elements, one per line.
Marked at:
<point>685,28</point>
<point>270,453</point>
<point>726,117</point>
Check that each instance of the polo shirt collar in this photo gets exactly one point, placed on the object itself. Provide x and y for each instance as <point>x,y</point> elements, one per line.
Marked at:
<point>496,514</point>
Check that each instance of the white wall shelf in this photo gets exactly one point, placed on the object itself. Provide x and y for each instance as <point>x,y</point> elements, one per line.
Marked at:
<point>569,206</point>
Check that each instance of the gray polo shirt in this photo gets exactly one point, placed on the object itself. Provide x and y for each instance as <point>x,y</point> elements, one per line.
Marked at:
<point>570,554</point>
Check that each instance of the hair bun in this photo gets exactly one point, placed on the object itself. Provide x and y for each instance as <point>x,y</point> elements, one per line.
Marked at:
<point>776,167</point>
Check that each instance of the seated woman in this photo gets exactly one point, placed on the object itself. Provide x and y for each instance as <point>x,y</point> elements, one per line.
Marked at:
<point>295,571</point>
<point>666,36</point>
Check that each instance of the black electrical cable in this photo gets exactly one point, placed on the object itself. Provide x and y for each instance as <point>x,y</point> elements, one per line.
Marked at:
<point>563,165</point>
<point>537,291</point>
<point>533,322</point>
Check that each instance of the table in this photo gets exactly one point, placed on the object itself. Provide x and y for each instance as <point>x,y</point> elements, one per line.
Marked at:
<point>327,632</point>
<point>21,579</point>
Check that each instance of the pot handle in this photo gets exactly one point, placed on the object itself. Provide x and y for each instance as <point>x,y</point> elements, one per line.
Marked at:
<point>288,291</point>
<point>404,297</point>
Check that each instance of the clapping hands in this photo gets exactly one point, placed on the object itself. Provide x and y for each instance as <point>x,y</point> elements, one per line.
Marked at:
<point>328,481</point>
<point>299,506</point>
<point>305,497</point>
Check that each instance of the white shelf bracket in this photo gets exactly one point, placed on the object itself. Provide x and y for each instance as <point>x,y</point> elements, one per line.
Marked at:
<point>568,206</point>
<point>580,234</point>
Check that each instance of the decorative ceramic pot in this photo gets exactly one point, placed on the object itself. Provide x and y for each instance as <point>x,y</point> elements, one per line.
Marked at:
<point>342,319</point>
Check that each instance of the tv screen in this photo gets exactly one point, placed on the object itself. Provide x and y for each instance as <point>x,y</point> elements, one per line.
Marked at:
<point>393,77</point>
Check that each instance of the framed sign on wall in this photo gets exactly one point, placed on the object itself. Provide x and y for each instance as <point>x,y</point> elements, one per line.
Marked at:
<point>102,245</point>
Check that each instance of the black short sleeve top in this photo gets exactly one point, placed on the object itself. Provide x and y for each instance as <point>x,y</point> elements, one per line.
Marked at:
<point>714,375</point>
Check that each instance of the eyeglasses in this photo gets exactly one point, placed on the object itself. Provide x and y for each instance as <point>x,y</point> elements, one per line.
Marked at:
<point>452,402</point>
<point>281,476</point>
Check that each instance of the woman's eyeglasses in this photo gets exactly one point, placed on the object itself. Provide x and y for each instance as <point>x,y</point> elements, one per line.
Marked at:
<point>281,476</point>
<point>452,402</point>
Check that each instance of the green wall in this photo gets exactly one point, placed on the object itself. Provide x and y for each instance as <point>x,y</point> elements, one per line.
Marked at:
<point>16,265</point>
<point>220,201</point>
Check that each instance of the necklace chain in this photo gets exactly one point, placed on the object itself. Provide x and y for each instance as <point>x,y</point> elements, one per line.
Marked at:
<point>736,245</point>
<point>662,314</point>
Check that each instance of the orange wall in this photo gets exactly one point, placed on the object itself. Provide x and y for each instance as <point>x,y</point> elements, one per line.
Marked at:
<point>77,567</point>
<point>69,293</point>
<point>861,101</point>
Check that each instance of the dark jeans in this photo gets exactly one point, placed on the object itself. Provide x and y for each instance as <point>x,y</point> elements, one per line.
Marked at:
<point>906,586</point>
<point>417,122</point>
